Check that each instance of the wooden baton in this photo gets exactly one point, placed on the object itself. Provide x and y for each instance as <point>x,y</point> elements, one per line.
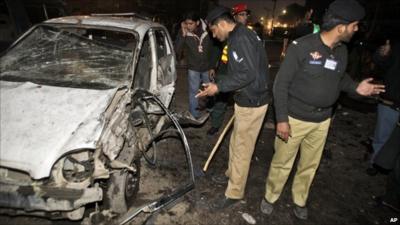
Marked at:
<point>221,137</point>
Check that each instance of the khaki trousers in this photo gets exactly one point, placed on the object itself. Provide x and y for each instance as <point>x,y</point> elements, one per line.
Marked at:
<point>310,138</point>
<point>247,125</point>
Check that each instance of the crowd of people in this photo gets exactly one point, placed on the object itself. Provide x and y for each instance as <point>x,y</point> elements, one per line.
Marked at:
<point>226,59</point>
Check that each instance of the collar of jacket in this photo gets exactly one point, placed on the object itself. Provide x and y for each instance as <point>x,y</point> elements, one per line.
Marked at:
<point>203,35</point>
<point>235,29</point>
<point>318,39</point>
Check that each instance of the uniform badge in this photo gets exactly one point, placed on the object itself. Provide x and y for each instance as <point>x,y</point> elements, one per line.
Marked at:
<point>315,55</point>
<point>315,58</point>
<point>315,62</point>
<point>236,57</point>
<point>330,64</point>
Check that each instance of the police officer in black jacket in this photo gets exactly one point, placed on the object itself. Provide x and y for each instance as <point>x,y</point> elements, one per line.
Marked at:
<point>307,85</point>
<point>248,79</point>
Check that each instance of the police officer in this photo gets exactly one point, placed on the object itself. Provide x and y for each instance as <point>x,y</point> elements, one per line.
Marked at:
<point>241,15</point>
<point>248,78</point>
<point>307,85</point>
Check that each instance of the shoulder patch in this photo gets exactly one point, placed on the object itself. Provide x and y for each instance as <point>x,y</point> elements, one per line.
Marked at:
<point>294,42</point>
<point>236,57</point>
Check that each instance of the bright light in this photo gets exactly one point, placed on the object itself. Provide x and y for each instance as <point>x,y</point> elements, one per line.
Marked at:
<point>269,25</point>
<point>284,11</point>
<point>262,18</point>
<point>285,25</point>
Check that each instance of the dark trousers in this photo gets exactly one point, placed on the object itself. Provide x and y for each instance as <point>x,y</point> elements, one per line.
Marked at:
<point>392,195</point>
<point>389,158</point>
<point>219,109</point>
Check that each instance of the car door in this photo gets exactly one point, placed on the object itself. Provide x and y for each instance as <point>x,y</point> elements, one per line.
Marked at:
<point>164,69</point>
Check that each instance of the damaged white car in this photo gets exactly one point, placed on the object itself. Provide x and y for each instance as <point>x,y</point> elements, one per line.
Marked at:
<point>82,100</point>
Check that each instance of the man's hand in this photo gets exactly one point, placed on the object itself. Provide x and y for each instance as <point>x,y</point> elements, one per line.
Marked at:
<point>283,131</point>
<point>184,29</point>
<point>384,50</point>
<point>211,74</point>
<point>210,89</point>
<point>366,88</point>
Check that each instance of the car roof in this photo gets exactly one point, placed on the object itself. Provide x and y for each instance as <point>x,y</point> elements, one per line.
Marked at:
<point>130,23</point>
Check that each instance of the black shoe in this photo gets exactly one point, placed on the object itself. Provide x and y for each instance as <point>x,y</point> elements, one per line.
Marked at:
<point>224,202</point>
<point>266,207</point>
<point>300,212</point>
<point>212,131</point>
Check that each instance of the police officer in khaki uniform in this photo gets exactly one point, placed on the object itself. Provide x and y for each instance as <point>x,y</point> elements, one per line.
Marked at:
<point>248,78</point>
<point>308,83</point>
<point>240,14</point>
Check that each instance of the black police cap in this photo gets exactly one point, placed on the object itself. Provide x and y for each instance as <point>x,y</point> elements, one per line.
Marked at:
<point>217,12</point>
<point>348,10</point>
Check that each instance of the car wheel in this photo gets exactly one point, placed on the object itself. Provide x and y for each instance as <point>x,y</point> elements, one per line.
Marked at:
<point>123,186</point>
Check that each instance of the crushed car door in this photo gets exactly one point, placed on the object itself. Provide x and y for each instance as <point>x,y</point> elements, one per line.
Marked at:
<point>164,73</point>
<point>167,168</point>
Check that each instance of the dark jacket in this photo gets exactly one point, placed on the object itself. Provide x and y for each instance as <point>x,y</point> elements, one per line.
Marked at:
<point>310,80</point>
<point>248,74</point>
<point>196,60</point>
<point>391,76</point>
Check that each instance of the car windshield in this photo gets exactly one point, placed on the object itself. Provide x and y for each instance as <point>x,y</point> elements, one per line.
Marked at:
<point>71,56</point>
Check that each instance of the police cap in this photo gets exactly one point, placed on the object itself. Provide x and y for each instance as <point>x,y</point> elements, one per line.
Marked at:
<point>217,12</point>
<point>348,10</point>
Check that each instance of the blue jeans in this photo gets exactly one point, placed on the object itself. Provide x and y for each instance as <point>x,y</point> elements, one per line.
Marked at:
<point>195,79</point>
<point>385,123</point>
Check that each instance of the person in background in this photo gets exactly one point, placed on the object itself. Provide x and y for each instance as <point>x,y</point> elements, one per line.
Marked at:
<point>241,13</point>
<point>388,58</point>
<point>303,27</point>
<point>193,37</point>
<point>389,158</point>
<point>306,87</point>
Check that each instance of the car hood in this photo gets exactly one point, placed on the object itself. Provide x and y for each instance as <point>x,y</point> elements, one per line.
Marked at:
<point>41,123</point>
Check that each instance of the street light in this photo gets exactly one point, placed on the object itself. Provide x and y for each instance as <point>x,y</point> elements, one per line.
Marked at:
<point>273,15</point>
<point>284,11</point>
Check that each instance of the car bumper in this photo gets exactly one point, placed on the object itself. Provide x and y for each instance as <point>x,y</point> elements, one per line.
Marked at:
<point>45,198</point>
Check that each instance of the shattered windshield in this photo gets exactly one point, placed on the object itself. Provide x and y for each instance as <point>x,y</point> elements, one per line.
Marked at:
<point>71,56</point>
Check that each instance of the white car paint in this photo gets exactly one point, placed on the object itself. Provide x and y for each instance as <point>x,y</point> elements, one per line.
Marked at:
<point>41,123</point>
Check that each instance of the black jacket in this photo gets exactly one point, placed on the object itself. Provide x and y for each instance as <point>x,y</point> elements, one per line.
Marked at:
<point>196,60</point>
<point>391,76</point>
<point>310,80</point>
<point>248,74</point>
